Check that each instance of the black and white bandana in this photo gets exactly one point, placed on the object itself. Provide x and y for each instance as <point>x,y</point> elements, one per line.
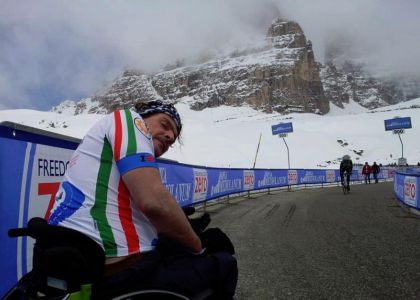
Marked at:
<point>153,107</point>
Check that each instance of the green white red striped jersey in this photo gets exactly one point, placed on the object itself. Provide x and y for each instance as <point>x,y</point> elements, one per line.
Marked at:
<point>93,198</point>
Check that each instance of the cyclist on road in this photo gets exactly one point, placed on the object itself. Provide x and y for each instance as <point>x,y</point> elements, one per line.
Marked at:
<point>346,165</point>
<point>113,193</point>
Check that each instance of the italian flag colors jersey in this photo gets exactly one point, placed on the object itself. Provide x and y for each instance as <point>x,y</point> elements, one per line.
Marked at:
<point>93,198</point>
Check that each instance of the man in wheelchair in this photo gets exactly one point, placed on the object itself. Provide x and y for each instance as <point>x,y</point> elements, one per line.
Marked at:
<point>112,194</point>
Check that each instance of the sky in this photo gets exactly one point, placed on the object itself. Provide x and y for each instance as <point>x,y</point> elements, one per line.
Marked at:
<point>51,51</point>
<point>235,132</point>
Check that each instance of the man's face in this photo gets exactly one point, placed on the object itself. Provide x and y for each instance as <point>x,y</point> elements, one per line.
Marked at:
<point>163,130</point>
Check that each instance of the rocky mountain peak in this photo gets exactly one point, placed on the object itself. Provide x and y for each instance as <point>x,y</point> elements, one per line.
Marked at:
<point>283,33</point>
<point>281,27</point>
<point>131,72</point>
<point>125,91</point>
<point>279,74</point>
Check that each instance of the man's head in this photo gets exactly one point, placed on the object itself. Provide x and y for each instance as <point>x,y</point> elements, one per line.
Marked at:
<point>346,157</point>
<point>163,121</point>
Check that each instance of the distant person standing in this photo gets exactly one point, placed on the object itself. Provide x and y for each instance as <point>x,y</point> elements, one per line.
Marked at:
<point>346,165</point>
<point>375,171</point>
<point>366,171</point>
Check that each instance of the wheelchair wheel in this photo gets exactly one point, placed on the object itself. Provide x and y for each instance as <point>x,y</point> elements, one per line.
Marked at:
<point>156,294</point>
<point>152,295</point>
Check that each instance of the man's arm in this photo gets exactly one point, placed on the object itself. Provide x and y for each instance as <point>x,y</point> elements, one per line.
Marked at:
<point>154,200</point>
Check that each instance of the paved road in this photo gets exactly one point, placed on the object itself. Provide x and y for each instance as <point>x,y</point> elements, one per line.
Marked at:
<point>321,244</point>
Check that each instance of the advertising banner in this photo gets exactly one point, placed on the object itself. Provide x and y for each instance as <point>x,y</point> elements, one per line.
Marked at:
<point>397,123</point>
<point>266,179</point>
<point>30,174</point>
<point>282,128</point>
<point>406,188</point>
<point>410,191</point>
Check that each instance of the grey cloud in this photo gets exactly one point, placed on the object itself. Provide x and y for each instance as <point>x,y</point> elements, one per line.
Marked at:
<point>73,47</point>
<point>383,34</point>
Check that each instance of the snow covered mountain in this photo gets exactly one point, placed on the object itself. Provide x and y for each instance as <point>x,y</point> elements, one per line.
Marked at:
<point>228,136</point>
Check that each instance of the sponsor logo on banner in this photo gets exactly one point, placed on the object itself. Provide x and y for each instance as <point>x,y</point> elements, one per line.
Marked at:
<point>249,180</point>
<point>162,172</point>
<point>200,185</point>
<point>292,177</point>
<point>225,184</point>
<point>50,164</point>
<point>270,180</point>
<point>311,177</point>
<point>330,175</point>
<point>142,127</point>
<point>180,190</point>
<point>410,190</point>
<point>48,168</point>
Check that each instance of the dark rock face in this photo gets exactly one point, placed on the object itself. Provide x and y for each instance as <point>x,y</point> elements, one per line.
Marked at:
<point>279,75</point>
<point>350,83</point>
<point>126,91</point>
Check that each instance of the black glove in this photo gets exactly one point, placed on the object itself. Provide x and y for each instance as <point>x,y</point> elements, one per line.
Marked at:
<point>199,224</point>
<point>170,249</point>
<point>215,240</point>
<point>188,210</point>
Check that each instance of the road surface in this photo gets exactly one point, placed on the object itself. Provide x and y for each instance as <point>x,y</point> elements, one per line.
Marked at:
<point>320,244</point>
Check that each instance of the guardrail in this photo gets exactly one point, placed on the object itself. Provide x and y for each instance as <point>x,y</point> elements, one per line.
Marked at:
<point>192,185</point>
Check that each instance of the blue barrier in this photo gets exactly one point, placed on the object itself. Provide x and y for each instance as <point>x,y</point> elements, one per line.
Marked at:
<point>33,163</point>
<point>406,182</point>
<point>31,167</point>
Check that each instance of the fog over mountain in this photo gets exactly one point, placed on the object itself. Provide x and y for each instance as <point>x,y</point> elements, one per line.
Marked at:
<point>52,51</point>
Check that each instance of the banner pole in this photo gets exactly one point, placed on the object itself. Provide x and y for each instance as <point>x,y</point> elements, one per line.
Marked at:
<point>288,158</point>
<point>256,154</point>
<point>402,145</point>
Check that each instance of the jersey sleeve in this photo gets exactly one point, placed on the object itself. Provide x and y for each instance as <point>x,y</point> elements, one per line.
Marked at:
<point>131,141</point>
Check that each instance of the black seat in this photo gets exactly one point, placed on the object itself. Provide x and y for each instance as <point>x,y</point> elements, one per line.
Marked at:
<point>63,259</point>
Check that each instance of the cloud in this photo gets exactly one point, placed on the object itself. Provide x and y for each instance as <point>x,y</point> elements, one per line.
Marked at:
<point>383,34</point>
<point>55,50</point>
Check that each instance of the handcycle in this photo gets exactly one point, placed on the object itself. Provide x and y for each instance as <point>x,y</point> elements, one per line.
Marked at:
<point>345,184</point>
<point>68,265</point>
